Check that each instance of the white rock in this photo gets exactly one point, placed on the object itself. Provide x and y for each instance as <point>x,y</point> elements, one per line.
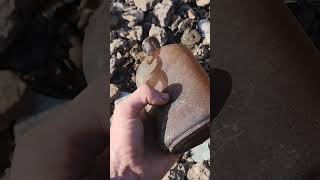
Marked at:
<point>135,33</point>
<point>116,43</point>
<point>159,33</point>
<point>198,172</point>
<point>145,5</point>
<point>133,16</point>
<point>163,12</point>
<point>202,152</point>
<point>203,3</point>
<point>204,27</point>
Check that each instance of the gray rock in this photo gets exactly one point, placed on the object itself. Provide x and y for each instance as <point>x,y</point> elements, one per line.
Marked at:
<point>201,152</point>
<point>185,24</point>
<point>163,12</point>
<point>134,16</point>
<point>175,22</point>
<point>159,33</point>
<point>112,66</point>
<point>135,33</point>
<point>199,171</point>
<point>201,51</point>
<point>204,27</point>
<point>115,44</point>
<point>190,37</point>
<point>117,7</point>
<point>202,3</point>
<point>145,5</point>
<point>191,14</point>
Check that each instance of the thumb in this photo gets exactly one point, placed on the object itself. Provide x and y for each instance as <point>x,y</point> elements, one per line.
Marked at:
<point>144,95</point>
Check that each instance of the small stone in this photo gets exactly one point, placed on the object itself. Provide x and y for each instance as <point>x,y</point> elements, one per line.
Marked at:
<point>135,33</point>
<point>117,7</point>
<point>114,92</point>
<point>118,55</point>
<point>201,51</point>
<point>190,37</point>
<point>185,24</point>
<point>163,12</point>
<point>202,3</point>
<point>145,5</point>
<point>176,21</point>
<point>112,66</point>
<point>135,16</point>
<point>191,14</point>
<point>137,53</point>
<point>115,44</point>
<point>159,33</point>
<point>204,27</point>
<point>198,172</point>
<point>201,152</point>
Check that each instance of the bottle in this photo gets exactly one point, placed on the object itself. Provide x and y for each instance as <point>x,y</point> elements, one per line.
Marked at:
<point>185,121</point>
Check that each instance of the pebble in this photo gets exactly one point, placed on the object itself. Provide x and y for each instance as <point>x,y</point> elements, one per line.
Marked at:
<point>117,7</point>
<point>159,33</point>
<point>134,16</point>
<point>198,171</point>
<point>202,3</point>
<point>114,92</point>
<point>135,33</point>
<point>115,44</point>
<point>190,37</point>
<point>191,14</point>
<point>204,27</point>
<point>112,66</point>
<point>137,53</point>
<point>145,5</point>
<point>201,51</point>
<point>201,152</point>
<point>185,24</point>
<point>163,12</point>
<point>175,23</point>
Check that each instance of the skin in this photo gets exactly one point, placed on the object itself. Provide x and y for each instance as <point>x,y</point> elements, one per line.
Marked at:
<point>75,143</point>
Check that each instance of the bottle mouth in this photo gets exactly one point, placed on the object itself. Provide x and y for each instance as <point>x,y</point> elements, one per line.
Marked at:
<point>150,45</point>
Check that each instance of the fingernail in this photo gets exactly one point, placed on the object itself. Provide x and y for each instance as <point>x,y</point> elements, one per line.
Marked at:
<point>165,96</point>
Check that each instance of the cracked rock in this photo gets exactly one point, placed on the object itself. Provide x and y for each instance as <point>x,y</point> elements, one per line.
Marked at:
<point>198,172</point>
<point>134,15</point>
<point>145,5</point>
<point>190,37</point>
<point>159,33</point>
<point>135,33</point>
<point>163,12</point>
<point>202,3</point>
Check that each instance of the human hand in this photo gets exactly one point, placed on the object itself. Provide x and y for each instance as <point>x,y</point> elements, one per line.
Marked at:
<point>132,155</point>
